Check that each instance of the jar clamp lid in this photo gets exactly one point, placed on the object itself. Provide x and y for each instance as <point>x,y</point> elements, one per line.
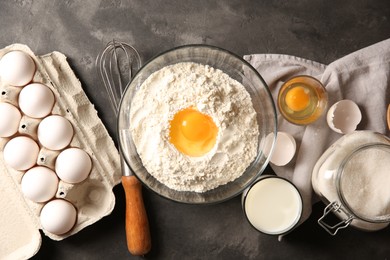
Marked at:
<point>361,188</point>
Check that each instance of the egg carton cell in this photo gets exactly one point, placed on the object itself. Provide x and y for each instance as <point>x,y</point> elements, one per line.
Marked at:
<point>9,94</point>
<point>29,126</point>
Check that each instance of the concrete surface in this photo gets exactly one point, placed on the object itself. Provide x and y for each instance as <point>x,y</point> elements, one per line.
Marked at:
<point>319,30</point>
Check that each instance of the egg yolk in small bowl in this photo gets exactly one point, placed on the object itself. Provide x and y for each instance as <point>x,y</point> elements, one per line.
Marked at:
<point>302,100</point>
<point>298,98</point>
<point>192,132</point>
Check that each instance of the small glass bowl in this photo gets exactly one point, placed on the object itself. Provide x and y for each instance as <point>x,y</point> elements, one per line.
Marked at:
<point>317,100</point>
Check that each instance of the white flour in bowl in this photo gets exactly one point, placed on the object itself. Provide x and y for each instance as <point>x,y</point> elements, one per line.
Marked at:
<point>212,92</point>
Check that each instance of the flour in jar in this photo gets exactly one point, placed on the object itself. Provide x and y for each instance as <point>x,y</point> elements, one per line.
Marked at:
<point>212,94</point>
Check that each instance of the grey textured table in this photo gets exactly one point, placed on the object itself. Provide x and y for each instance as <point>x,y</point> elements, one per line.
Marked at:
<point>317,30</point>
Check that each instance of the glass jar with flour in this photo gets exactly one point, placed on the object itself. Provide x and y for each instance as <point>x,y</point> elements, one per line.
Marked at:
<point>353,178</point>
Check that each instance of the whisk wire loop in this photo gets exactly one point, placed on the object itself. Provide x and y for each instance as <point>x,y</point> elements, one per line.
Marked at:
<point>116,65</point>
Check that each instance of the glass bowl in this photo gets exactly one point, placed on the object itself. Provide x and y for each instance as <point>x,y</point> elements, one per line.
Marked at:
<point>236,68</point>
<point>297,112</point>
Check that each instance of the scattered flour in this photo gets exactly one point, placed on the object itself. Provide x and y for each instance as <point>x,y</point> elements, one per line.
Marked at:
<point>212,92</point>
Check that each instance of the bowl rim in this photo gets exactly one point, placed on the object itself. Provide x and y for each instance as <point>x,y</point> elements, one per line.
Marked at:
<point>267,160</point>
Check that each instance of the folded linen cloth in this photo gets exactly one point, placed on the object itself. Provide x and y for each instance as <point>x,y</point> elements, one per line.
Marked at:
<point>363,77</point>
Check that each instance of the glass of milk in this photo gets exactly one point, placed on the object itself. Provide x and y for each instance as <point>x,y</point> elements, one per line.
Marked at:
<point>272,205</point>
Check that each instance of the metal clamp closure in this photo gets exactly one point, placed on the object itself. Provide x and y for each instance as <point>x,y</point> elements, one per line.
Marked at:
<point>345,220</point>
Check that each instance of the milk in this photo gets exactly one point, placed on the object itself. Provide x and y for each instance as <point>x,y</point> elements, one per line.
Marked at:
<point>273,205</point>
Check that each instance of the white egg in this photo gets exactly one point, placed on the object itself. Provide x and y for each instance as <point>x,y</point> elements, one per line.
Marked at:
<point>344,116</point>
<point>58,216</point>
<point>21,153</point>
<point>55,132</point>
<point>39,184</point>
<point>10,119</point>
<point>36,100</point>
<point>17,68</point>
<point>284,148</point>
<point>73,165</point>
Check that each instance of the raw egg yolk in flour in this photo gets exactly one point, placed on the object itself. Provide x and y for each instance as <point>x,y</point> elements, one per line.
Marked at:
<point>192,132</point>
<point>298,98</point>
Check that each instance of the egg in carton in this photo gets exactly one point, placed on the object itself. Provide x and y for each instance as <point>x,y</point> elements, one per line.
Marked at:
<point>77,201</point>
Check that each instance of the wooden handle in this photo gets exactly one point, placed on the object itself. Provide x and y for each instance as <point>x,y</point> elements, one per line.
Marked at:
<point>388,116</point>
<point>137,225</point>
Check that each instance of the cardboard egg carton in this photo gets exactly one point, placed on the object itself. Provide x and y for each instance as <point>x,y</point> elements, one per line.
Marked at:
<point>93,198</point>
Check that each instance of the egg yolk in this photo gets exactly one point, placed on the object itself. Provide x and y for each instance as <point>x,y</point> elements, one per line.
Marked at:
<point>192,132</point>
<point>297,99</point>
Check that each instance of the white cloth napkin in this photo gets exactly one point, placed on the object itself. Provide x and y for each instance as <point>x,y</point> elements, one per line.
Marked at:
<point>363,77</point>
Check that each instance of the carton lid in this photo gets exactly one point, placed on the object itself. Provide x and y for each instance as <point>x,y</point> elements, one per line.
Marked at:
<point>19,236</point>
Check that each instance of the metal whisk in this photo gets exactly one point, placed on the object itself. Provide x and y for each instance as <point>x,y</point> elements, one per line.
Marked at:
<point>116,65</point>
